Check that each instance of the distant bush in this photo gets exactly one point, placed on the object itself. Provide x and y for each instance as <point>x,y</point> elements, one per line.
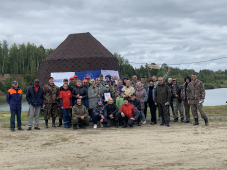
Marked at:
<point>208,86</point>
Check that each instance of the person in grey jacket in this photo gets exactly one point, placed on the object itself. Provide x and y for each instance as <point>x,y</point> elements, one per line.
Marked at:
<point>92,97</point>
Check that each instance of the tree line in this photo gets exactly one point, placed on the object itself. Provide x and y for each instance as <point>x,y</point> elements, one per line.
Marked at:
<point>23,61</point>
<point>211,79</point>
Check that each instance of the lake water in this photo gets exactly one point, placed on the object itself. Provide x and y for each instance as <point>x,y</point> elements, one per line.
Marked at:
<point>213,97</point>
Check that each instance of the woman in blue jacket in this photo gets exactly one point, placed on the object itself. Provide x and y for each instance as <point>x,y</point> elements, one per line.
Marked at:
<point>150,101</point>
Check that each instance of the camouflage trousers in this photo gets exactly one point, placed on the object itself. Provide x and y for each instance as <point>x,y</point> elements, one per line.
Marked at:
<point>187,110</point>
<point>163,112</point>
<point>50,110</point>
<point>75,120</point>
<point>178,106</point>
<point>195,105</point>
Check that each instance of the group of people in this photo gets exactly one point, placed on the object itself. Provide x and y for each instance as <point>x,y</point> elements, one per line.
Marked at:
<point>111,102</point>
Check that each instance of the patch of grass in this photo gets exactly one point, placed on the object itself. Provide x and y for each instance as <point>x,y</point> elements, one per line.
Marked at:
<point>179,164</point>
<point>7,125</point>
<point>5,116</point>
<point>64,139</point>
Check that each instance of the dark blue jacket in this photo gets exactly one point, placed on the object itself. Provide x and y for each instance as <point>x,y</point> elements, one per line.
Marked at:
<point>33,98</point>
<point>14,97</point>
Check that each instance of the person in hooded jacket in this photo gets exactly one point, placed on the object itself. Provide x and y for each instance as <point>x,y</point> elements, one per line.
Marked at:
<point>100,113</point>
<point>141,95</point>
<point>112,112</point>
<point>79,92</point>
<point>34,97</point>
<point>150,100</point>
<point>184,98</point>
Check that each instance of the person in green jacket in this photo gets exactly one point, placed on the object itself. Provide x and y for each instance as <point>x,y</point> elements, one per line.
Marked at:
<point>162,100</point>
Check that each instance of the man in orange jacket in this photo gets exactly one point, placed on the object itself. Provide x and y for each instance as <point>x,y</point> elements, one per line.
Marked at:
<point>128,113</point>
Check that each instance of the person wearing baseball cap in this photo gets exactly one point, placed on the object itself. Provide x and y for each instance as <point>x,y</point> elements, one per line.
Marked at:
<point>65,81</point>
<point>14,98</point>
<point>101,80</point>
<point>72,82</point>
<point>107,90</point>
<point>115,93</point>
<point>108,82</point>
<point>50,94</point>
<point>34,97</point>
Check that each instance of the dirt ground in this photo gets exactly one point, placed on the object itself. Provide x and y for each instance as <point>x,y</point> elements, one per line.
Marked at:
<point>181,146</point>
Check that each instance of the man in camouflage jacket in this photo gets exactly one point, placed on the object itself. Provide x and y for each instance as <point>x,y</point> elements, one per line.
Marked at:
<point>51,94</point>
<point>196,96</point>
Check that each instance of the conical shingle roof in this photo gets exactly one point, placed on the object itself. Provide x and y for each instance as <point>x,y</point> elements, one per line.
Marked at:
<point>77,53</point>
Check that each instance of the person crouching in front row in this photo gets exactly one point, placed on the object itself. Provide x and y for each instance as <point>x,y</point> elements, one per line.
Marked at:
<point>100,113</point>
<point>128,113</point>
<point>112,112</point>
<point>66,104</point>
<point>80,115</point>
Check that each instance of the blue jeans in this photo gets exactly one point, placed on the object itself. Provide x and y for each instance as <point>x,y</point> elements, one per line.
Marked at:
<point>12,119</point>
<point>66,113</point>
<point>91,114</point>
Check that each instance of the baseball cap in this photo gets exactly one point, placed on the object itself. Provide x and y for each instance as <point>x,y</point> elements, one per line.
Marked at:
<point>107,80</point>
<point>15,82</point>
<point>143,77</point>
<point>36,80</point>
<point>107,86</point>
<point>100,75</point>
<point>87,77</point>
<point>75,76</point>
<point>174,79</point>
<point>65,79</point>
<point>133,94</point>
<point>71,78</point>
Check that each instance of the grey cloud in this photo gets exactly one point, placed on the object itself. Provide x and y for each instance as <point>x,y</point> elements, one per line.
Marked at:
<point>142,31</point>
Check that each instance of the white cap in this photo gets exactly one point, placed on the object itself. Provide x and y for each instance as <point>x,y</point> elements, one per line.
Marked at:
<point>170,79</point>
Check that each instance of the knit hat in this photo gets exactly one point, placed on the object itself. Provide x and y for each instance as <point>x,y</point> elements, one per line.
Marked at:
<point>100,99</point>
<point>92,80</point>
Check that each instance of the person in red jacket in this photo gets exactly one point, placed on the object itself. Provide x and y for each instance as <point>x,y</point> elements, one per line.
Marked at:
<point>66,104</point>
<point>128,113</point>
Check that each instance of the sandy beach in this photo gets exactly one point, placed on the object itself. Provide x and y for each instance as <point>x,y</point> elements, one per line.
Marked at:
<point>181,146</point>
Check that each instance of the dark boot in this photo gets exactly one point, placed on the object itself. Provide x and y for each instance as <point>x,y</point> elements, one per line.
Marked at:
<point>124,125</point>
<point>116,123</point>
<point>196,121</point>
<point>139,123</point>
<point>46,123</point>
<point>206,122</point>
<point>60,123</point>
<point>74,126</point>
<point>182,120</point>
<point>167,124</point>
<point>176,120</point>
<point>53,122</point>
<point>163,123</point>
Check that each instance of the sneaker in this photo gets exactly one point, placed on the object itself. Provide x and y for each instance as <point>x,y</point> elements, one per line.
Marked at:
<point>29,128</point>
<point>152,123</point>
<point>144,122</point>
<point>101,125</point>
<point>37,128</point>
<point>95,126</point>
<point>187,122</point>
<point>20,129</point>
<point>13,130</point>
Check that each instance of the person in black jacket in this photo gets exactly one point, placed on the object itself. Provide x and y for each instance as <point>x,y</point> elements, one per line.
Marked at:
<point>112,112</point>
<point>107,90</point>
<point>177,101</point>
<point>65,81</point>
<point>34,97</point>
<point>79,92</point>
<point>137,105</point>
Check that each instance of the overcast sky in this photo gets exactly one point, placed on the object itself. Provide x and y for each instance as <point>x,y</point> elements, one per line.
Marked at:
<point>143,31</point>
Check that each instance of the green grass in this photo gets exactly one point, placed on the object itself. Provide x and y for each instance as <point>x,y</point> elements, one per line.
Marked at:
<point>3,97</point>
<point>5,116</point>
